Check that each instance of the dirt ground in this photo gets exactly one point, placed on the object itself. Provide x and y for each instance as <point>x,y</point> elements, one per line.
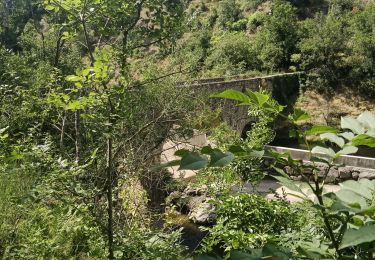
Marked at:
<point>329,111</point>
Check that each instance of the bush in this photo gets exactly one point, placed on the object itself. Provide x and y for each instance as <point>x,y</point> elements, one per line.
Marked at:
<point>231,53</point>
<point>277,39</point>
<point>228,13</point>
<point>246,220</point>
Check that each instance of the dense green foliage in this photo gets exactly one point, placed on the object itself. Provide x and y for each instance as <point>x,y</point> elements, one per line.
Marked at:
<point>331,40</point>
<point>246,221</point>
<point>90,91</point>
<point>347,215</point>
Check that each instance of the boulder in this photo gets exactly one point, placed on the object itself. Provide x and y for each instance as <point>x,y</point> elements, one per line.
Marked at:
<point>369,174</point>
<point>345,173</point>
<point>195,204</point>
<point>203,214</point>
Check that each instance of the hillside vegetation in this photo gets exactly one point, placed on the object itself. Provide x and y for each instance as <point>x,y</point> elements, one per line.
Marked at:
<point>90,91</point>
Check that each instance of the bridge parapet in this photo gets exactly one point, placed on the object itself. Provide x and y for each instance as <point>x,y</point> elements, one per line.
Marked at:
<point>284,88</point>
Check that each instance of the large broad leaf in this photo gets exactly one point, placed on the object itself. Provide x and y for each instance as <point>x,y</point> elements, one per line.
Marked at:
<point>193,161</point>
<point>353,124</point>
<point>290,185</point>
<point>181,152</point>
<point>358,188</point>
<point>367,119</point>
<point>261,98</point>
<point>299,115</point>
<point>353,237</point>
<point>322,150</point>
<point>351,198</point>
<point>347,135</point>
<point>233,95</point>
<point>73,78</point>
<point>348,150</point>
<point>365,140</point>
<point>237,150</point>
<point>220,159</point>
<point>333,138</point>
<point>320,129</point>
<point>369,184</point>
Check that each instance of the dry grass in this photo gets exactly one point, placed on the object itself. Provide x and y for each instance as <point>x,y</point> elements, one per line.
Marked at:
<point>329,111</point>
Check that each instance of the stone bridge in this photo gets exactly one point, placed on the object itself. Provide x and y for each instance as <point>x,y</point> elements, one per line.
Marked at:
<point>284,88</point>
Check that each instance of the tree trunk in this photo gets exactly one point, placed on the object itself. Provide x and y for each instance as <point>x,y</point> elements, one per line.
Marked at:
<point>78,143</point>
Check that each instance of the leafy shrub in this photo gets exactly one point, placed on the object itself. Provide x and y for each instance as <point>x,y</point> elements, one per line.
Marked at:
<point>277,39</point>
<point>228,13</point>
<point>138,243</point>
<point>246,220</point>
<point>322,48</point>
<point>231,53</point>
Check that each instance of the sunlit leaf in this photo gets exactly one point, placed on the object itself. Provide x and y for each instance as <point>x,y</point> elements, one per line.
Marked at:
<point>73,78</point>
<point>233,95</point>
<point>322,150</point>
<point>347,135</point>
<point>333,138</point>
<point>353,237</point>
<point>348,150</point>
<point>320,129</point>
<point>365,140</point>
<point>358,188</point>
<point>299,115</point>
<point>367,119</point>
<point>353,124</point>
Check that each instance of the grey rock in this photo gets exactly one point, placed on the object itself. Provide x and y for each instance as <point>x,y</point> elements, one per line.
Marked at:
<point>203,214</point>
<point>193,191</point>
<point>345,173</point>
<point>332,176</point>
<point>355,175</point>
<point>367,175</point>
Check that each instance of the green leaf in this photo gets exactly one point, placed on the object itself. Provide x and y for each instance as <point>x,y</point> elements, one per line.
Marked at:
<point>353,124</point>
<point>353,237</point>
<point>320,129</point>
<point>358,188</point>
<point>348,150</point>
<point>351,198</point>
<point>369,184</point>
<point>220,159</point>
<point>49,7</point>
<point>237,150</point>
<point>365,140</point>
<point>299,115</point>
<point>261,98</point>
<point>333,138</point>
<point>193,161</point>
<point>181,152</point>
<point>233,95</point>
<point>323,150</point>
<point>347,135</point>
<point>289,184</point>
<point>74,105</point>
<point>73,78</point>
<point>367,119</point>
<point>207,150</point>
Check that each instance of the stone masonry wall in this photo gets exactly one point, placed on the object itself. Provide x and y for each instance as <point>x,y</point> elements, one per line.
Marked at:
<point>284,88</point>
